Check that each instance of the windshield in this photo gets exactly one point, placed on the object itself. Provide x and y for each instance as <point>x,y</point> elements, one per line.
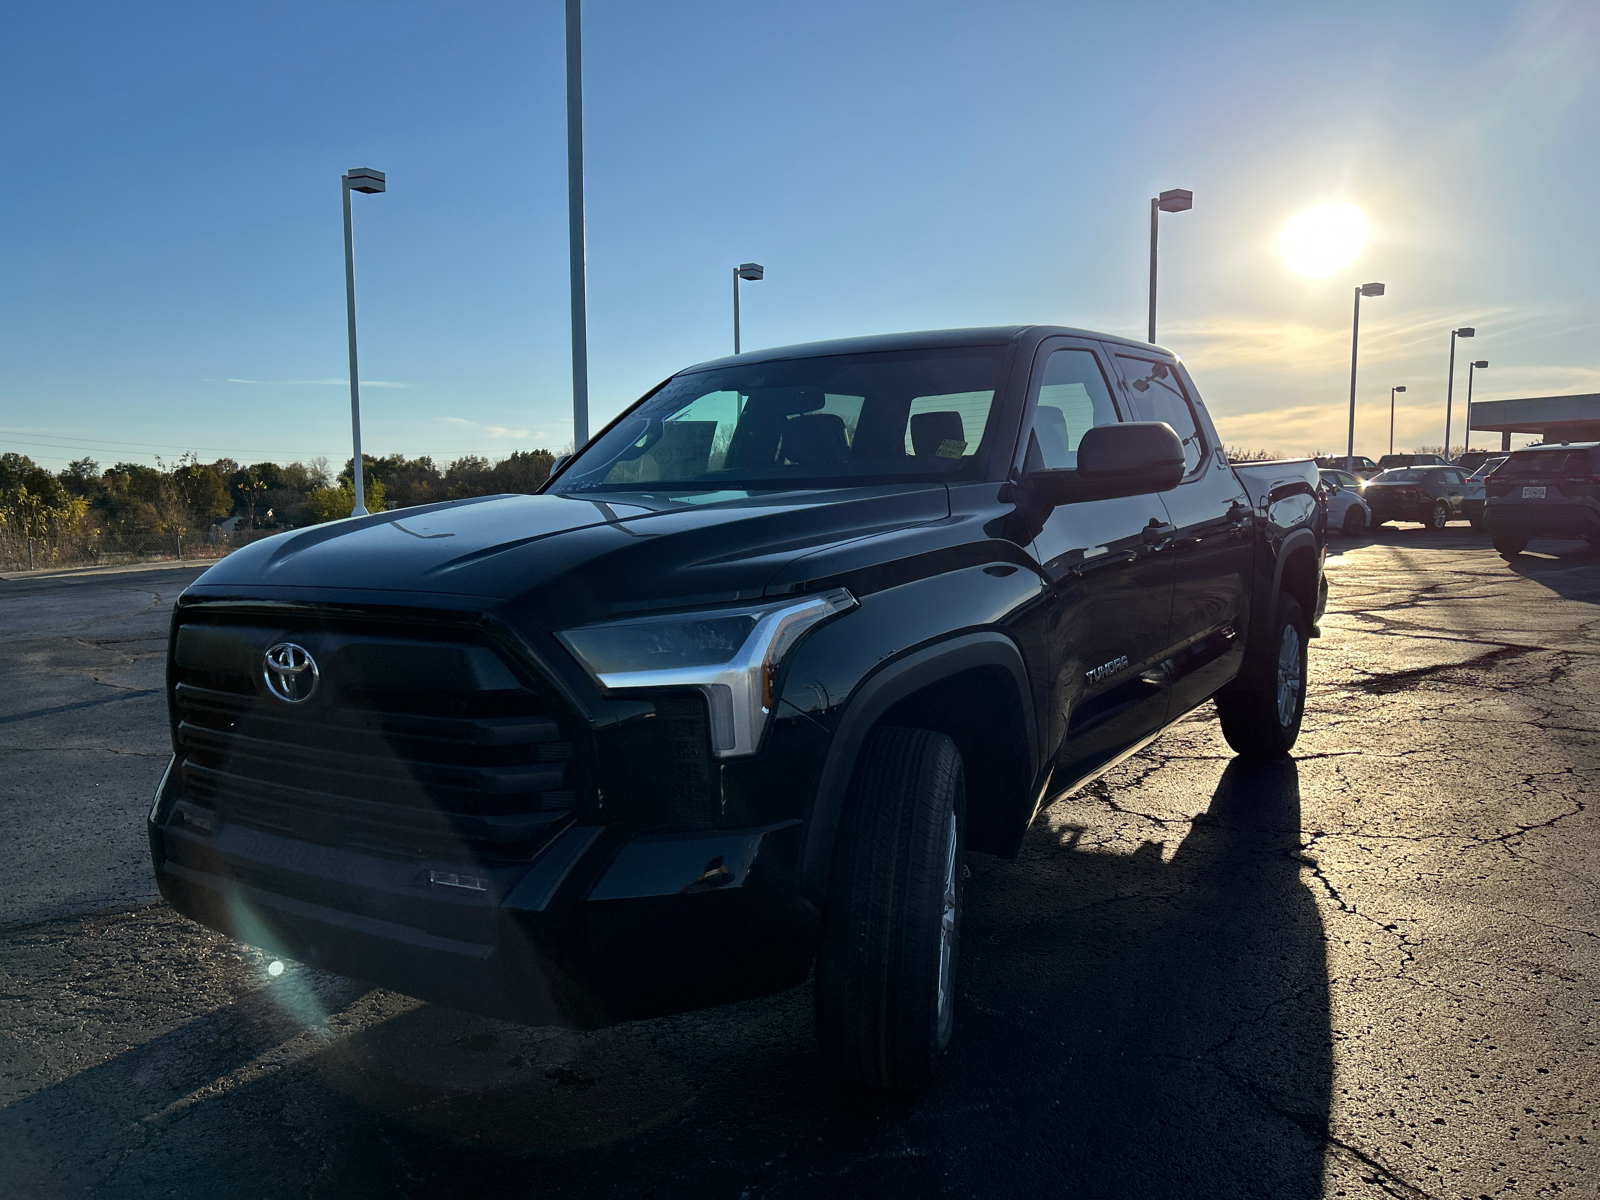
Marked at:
<point>1397,475</point>
<point>832,421</point>
<point>1488,466</point>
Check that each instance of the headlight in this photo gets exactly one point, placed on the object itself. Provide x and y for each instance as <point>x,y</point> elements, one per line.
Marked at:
<point>730,654</point>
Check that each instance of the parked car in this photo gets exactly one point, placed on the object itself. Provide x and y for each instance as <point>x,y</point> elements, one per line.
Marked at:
<point>1472,460</point>
<point>1365,468</point>
<point>1390,461</point>
<point>1544,491</point>
<point>1347,511</point>
<point>1432,495</point>
<point>1472,498</point>
<point>737,689</point>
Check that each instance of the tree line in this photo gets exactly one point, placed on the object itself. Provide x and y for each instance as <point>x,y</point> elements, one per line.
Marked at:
<point>191,496</point>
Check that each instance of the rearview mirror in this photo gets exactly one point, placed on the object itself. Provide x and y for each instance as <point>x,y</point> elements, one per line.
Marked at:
<point>1131,458</point>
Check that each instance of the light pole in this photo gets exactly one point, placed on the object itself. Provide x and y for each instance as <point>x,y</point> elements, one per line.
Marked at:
<point>357,179</point>
<point>1365,289</point>
<point>1392,391</point>
<point>1472,366</point>
<point>1465,331</point>
<point>750,271</point>
<point>575,237</point>
<point>1171,200</point>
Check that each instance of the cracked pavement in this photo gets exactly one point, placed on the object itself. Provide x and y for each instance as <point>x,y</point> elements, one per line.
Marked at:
<point>1369,972</point>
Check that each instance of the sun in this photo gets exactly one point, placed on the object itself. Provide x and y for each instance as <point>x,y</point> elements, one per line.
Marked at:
<point>1324,239</point>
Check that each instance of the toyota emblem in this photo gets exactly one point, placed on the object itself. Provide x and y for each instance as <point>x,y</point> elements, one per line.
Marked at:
<point>289,672</point>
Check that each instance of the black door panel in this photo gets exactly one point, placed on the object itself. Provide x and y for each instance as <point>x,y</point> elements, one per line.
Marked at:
<point>1108,564</point>
<point>1212,542</point>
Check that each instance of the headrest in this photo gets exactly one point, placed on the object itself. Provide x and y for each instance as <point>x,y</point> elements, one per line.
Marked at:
<point>814,439</point>
<point>931,430</point>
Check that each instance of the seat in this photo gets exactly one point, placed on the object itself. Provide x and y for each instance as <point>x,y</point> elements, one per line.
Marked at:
<point>1050,428</point>
<point>814,440</point>
<point>931,430</point>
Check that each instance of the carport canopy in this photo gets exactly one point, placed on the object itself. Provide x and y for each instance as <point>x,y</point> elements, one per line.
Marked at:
<point>1553,418</point>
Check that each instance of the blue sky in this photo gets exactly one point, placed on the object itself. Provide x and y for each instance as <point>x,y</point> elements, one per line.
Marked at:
<point>169,220</point>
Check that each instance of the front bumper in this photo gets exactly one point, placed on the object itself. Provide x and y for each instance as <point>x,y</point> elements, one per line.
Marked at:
<point>599,926</point>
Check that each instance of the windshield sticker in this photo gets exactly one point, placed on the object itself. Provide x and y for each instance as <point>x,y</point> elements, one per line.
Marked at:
<point>950,448</point>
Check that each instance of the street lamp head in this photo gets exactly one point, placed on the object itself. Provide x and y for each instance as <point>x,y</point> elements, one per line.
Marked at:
<point>1372,289</point>
<point>752,271</point>
<point>1175,200</point>
<point>1466,331</point>
<point>1401,388</point>
<point>1481,363</point>
<point>364,179</point>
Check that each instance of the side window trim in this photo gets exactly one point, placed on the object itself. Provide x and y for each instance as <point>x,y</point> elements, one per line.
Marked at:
<point>1103,358</point>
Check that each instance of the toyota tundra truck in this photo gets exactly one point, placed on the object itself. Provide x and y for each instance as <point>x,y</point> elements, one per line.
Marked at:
<point>723,706</point>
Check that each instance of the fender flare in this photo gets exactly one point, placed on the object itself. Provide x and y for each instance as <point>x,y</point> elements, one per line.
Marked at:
<point>1258,654</point>
<point>1291,544</point>
<point>875,696</point>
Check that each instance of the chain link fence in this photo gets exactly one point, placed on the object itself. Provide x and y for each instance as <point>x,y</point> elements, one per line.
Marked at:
<point>103,548</point>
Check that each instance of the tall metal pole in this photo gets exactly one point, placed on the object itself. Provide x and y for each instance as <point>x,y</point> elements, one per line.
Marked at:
<point>1355,336</point>
<point>1155,228</point>
<point>1449,393</point>
<point>1391,420</point>
<point>736,310</point>
<point>575,234</point>
<point>359,509</point>
<point>1467,436</point>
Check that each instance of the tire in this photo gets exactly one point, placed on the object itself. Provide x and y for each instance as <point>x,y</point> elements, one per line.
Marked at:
<point>1477,523</point>
<point>1265,723</point>
<point>1508,546</point>
<point>886,968</point>
<point>1440,516</point>
<point>1354,522</point>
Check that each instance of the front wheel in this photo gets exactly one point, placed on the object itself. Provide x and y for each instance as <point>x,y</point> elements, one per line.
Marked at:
<point>886,968</point>
<point>1354,522</point>
<point>1508,546</point>
<point>1440,516</point>
<point>1265,722</point>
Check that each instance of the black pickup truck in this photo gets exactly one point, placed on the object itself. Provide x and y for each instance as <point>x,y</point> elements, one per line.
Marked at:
<point>732,696</point>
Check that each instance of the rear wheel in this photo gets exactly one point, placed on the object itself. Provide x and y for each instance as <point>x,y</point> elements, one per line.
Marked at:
<point>1354,522</point>
<point>1508,546</point>
<point>1440,516</point>
<point>886,969</point>
<point>1264,723</point>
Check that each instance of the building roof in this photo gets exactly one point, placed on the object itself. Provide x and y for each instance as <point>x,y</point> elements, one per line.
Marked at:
<point>1536,414</point>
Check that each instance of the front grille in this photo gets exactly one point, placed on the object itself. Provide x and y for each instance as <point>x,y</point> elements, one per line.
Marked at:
<point>417,741</point>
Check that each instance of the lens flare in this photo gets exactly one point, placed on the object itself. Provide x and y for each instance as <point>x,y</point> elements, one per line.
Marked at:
<point>275,969</point>
<point>1324,239</point>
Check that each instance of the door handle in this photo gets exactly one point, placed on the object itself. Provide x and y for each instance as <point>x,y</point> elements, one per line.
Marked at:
<point>1158,532</point>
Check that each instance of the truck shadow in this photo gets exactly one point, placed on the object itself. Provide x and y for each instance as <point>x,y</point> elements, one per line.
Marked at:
<point>1140,1024</point>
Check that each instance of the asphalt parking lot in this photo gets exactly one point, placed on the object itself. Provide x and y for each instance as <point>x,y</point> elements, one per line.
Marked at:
<point>1374,971</point>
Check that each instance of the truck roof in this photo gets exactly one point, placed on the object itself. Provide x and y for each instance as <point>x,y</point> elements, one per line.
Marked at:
<point>927,339</point>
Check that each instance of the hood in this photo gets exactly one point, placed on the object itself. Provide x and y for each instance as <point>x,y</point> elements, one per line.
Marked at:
<point>575,557</point>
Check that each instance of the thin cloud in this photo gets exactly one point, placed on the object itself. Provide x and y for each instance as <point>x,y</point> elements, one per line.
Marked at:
<point>366,383</point>
<point>1231,342</point>
<point>494,431</point>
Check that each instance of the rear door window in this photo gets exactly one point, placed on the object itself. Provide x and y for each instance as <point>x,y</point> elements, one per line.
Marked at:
<point>1158,395</point>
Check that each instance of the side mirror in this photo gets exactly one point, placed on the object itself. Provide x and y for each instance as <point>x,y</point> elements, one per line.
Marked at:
<point>559,462</point>
<point>1132,458</point>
